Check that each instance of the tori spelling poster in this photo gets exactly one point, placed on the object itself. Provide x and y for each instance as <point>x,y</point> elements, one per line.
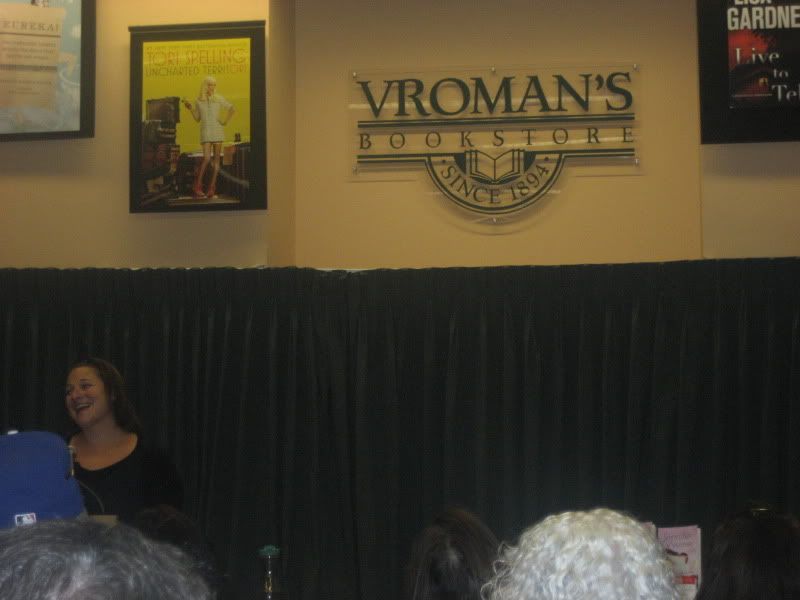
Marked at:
<point>197,122</point>
<point>763,53</point>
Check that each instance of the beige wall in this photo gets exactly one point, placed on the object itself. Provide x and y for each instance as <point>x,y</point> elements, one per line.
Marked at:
<point>655,216</point>
<point>751,200</point>
<point>65,203</point>
<point>281,147</point>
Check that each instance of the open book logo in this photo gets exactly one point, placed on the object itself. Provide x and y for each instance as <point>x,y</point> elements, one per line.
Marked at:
<point>495,185</point>
<point>499,184</point>
<point>495,171</point>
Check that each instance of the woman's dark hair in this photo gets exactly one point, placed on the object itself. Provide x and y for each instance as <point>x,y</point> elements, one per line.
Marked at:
<point>164,523</point>
<point>121,408</point>
<point>755,554</point>
<point>452,558</point>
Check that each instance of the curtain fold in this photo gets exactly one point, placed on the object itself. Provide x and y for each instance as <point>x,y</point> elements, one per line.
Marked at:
<point>335,414</point>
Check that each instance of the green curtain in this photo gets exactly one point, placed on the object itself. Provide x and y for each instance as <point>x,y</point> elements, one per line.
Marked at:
<point>335,413</point>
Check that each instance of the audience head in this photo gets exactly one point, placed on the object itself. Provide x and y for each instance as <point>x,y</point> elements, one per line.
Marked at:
<point>113,390</point>
<point>164,523</point>
<point>755,554</point>
<point>584,555</point>
<point>452,558</point>
<point>85,560</point>
<point>36,481</point>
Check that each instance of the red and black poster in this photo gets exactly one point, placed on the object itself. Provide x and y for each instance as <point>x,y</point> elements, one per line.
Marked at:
<point>749,62</point>
<point>763,53</point>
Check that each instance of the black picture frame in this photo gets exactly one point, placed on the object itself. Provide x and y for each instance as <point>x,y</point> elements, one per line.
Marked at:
<point>73,110</point>
<point>721,123</point>
<point>169,128</point>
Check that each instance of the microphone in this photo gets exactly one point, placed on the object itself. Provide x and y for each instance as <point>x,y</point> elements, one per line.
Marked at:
<point>94,495</point>
<point>72,455</point>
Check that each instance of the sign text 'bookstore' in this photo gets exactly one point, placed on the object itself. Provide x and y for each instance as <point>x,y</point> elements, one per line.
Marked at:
<point>494,142</point>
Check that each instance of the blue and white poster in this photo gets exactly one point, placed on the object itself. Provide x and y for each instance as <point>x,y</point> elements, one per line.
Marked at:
<point>40,66</point>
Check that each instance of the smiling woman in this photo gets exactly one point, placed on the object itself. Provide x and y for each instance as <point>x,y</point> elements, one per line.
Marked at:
<point>118,473</point>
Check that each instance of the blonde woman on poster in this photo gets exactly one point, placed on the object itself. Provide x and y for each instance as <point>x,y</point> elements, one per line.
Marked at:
<point>213,112</point>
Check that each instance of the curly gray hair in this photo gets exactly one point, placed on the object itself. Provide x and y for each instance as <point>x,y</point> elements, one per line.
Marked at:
<point>595,554</point>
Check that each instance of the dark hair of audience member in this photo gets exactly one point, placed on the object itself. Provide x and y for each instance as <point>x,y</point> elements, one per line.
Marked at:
<point>81,559</point>
<point>754,554</point>
<point>451,559</point>
<point>165,523</point>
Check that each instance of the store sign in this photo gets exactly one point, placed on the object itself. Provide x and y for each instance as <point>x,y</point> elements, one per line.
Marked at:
<point>494,141</point>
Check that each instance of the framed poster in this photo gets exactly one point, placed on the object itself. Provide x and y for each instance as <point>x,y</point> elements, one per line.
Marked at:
<point>749,53</point>
<point>47,62</point>
<point>198,117</point>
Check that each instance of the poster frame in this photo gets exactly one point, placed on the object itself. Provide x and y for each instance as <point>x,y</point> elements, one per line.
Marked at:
<point>255,196</point>
<point>86,126</point>
<point>721,124</point>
